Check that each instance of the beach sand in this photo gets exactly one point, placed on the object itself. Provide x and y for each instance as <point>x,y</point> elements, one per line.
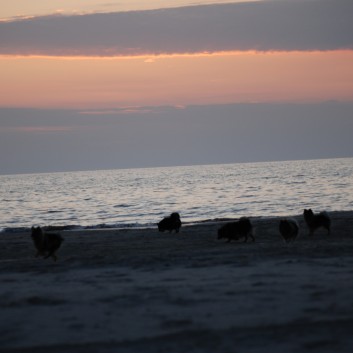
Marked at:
<point>138,290</point>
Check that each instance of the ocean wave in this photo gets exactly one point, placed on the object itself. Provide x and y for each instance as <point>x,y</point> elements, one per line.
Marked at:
<point>117,199</point>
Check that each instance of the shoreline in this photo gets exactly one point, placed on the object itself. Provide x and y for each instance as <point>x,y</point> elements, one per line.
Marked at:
<point>107,227</point>
<point>135,290</point>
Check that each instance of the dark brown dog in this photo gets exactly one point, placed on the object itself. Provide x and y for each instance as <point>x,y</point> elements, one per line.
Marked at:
<point>315,221</point>
<point>46,243</point>
<point>170,223</point>
<point>289,229</point>
<point>236,230</point>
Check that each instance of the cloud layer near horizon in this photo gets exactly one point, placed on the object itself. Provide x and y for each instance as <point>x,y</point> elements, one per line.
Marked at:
<point>264,26</point>
<point>44,140</point>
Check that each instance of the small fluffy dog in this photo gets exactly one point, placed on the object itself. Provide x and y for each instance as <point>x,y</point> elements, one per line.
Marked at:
<point>289,229</point>
<point>236,230</point>
<point>315,221</point>
<point>170,223</point>
<point>46,243</point>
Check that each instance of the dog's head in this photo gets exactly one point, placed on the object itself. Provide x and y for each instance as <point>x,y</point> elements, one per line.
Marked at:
<point>175,216</point>
<point>36,232</point>
<point>308,213</point>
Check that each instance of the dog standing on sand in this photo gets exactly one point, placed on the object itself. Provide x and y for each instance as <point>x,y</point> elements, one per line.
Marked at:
<point>315,221</point>
<point>236,230</point>
<point>170,223</point>
<point>289,229</point>
<point>46,243</point>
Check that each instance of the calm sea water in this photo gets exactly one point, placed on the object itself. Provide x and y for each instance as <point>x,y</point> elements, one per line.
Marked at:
<point>141,197</point>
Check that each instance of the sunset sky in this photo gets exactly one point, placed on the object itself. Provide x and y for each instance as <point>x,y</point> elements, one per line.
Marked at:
<point>89,85</point>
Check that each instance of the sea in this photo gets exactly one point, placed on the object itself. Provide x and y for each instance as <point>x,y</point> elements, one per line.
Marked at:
<point>140,198</point>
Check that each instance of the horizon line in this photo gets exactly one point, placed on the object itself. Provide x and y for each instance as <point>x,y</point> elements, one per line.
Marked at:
<point>179,166</point>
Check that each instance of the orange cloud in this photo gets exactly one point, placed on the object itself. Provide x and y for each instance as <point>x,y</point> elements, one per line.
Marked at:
<point>204,78</point>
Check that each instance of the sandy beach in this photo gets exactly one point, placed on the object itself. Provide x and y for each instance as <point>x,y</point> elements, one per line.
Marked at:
<point>138,290</point>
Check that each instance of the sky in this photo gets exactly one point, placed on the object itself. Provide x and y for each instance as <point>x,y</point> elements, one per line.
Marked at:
<point>91,85</point>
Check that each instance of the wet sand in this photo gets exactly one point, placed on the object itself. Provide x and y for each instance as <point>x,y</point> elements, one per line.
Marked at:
<point>138,290</point>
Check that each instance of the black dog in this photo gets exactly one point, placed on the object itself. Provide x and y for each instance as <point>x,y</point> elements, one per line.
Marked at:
<point>170,223</point>
<point>315,221</point>
<point>46,243</point>
<point>289,229</point>
<point>236,230</point>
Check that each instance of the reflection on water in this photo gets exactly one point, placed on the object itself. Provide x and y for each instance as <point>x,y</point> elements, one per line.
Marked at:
<point>140,197</point>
